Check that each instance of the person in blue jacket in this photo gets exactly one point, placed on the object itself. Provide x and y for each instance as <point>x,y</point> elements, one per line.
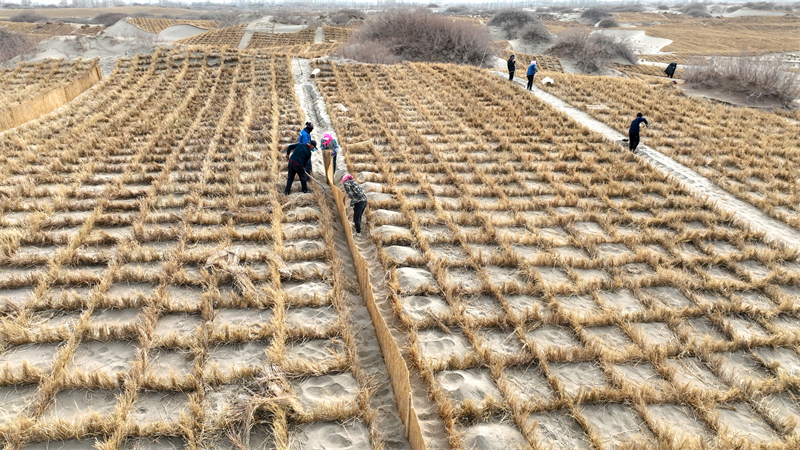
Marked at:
<point>301,155</point>
<point>305,137</point>
<point>633,132</point>
<point>531,73</point>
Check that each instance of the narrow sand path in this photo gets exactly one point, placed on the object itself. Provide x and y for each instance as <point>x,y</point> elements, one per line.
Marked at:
<point>775,232</point>
<point>368,349</point>
<point>251,28</point>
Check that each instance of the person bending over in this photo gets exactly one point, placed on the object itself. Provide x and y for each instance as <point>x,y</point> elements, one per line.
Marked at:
<point>301,155</point>
<point>358,199</point>
<point>633,133</point>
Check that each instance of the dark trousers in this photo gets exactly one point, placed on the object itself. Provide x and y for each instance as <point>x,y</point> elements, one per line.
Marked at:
<point>358,210</point>
<point>670,75</point>
<point>511,75</point>
<point>295,169</point>
<point>530,81</point>
<point>633,141</point>
<point>334,163</point>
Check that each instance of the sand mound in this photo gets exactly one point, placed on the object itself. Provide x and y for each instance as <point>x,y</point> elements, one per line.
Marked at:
<point>124,29</point>
<point>493,436</point>
<point>641,43</point>
<point>176,32</point>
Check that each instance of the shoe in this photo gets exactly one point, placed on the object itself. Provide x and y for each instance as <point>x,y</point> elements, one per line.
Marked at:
<point>308,191</point>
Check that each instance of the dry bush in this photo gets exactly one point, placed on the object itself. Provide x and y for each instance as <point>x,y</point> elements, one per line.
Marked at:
<point>28,16</point>
<point>763,6</point>
<point>695,10</point>
<point>636,7</point>
<point>513,21</point>
<point>339,19</point>
<point>535,33</point>
<point>13,44</point>
<point>663,7</point>
<point>592,51</point>
<point>595,14</point>
<point>287,17</point>
<point>108,19</point>
<point>418,36</point>
<point>609,22</point>
<point>758,76</point>
<point>456,10</point>
<point>733,8</point>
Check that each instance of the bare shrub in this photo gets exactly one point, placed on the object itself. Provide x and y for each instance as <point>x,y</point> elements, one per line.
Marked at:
<point>339,19</point>
<point>224,19</point>
<point>636,7</point>
<point>108,19</point>
<point>695,10</point>
<point>13,44</point>
<point>592,51</point>
<point>763,6</point>
<point>456,10</point>
<point>287,17</point>
<point>733,8</point>
<point>535,33</point>
<point>353,13</point>
<point>432,5</point>
<point>595,14</point>
<point>28,16</point>
<point>663,7</point>
<point>370,52</point>
<point>757,76</point>
<point>512,21</point>
<point>608,22</point>
<point>418,36</point>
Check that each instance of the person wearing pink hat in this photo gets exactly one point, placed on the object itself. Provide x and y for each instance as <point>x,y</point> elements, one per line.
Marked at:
<point>358,199</point>
<point>329,143</point>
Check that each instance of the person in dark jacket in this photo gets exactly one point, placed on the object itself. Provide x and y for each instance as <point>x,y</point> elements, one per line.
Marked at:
<point>633,132</point>
<point>512,67</point>
<point>305,137</point>
<point>301,155</point>
<point>670,70</point>
<point>358,199</point>
<point>531,73</point>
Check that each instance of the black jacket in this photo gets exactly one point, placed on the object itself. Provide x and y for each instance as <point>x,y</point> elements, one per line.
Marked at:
<point>512,65</point>
<point>301,154</point>
<point>670,70</point>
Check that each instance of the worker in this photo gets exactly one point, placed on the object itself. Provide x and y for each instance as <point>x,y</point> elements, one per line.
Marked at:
<point>358,199</point>
<point>512,67</point>
<point>329,143</point>
<point>301,155</point>
<point>531,73</point>
<point>633,133</point>
<point>305,137</point>
<point>670,70</point>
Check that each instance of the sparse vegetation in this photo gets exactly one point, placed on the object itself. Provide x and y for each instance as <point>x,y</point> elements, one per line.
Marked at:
<point>418,36</point>
<point>457,10</point>
<point>608,22</point>
<point>513,21</point>
<point>695,10</point>
<point>13,44</point>
<point>28,16</point>
<point>535,33</point>
<point>595,15</point>
<point>108,19</point>
<point>758,76</point>
<point>591,51</point>
<point>763,6</point>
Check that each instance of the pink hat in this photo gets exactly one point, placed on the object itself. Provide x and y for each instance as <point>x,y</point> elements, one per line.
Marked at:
<point>347,178</point>
<point>326,139</point>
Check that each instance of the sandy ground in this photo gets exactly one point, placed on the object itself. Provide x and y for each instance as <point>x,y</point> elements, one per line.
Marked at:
<point>641,42</point>
<point>749,216</point>
<point>176,32</point>
<point>383,400</point>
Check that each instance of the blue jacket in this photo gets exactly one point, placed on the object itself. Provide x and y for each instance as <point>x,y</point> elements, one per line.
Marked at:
<point>531,69</point>
<point>301,155</point>
<point>636,124</point>
<point>305,137</point>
